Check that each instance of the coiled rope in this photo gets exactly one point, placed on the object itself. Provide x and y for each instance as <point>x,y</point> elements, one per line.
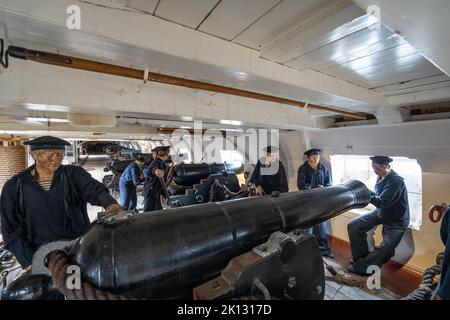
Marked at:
<point>58,264</point>
<point>427,289</point>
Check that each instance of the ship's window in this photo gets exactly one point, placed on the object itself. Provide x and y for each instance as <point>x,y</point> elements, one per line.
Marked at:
<point>231,156</point>
<point>346,167</point>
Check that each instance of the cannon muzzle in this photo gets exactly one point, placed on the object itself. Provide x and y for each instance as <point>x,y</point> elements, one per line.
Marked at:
<point>189,174</point>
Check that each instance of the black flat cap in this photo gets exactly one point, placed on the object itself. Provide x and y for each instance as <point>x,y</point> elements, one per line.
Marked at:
<point>271,149</point>
<point>161,148</point>
<point>139,157</point>
<point>381,159</point>
<point>47,142</point>
<point>313,151</point>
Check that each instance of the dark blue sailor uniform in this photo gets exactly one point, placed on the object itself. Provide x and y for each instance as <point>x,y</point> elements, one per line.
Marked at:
<point>270,182</point>
<point>152,187</point>
<point>444,285</point>
<point>308,178</point>
<point>32,216</point>
<point>392,211</point>
<point>128,182</point>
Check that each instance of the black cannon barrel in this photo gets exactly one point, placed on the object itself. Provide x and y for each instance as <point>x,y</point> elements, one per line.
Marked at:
<point>158,255</point>
<point>30,287</point>
<point>188,174</point>
<point>120,165</point>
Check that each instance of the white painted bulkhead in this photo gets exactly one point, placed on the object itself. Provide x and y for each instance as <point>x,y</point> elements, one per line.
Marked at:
<point>428,142</point>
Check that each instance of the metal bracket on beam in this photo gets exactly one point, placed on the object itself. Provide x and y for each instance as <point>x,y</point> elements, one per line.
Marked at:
<point>146,73</point>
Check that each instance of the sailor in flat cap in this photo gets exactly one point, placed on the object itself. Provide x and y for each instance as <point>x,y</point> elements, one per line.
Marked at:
<point>313,174</point>
<point>48,201</point>
<point>392,212</point>
<point>269,174</point>
<point>154,153</point>
<point>312,152</point>
<point>152,186</point>
<point>128,182</point>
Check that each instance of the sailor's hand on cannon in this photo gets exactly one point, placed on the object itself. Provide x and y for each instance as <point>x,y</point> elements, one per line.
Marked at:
<point>113,209</point>
<point>159,173</point>
<point>113,212</point>
<point>114,216</point>
<point>260,191</point>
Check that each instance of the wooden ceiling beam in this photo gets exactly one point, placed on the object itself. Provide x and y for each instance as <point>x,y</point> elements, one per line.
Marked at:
<point>99,67</point>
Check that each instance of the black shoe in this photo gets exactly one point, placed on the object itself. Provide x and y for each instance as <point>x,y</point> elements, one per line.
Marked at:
<point>352,270</point>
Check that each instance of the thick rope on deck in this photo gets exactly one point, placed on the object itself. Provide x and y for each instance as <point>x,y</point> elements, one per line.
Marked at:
<point>430,282</point>
<point>58,264</point>
<point>349,279</point>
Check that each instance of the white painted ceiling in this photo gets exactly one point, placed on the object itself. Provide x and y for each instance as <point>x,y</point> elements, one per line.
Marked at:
<point>40,35</point>
<point>333,37</point>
